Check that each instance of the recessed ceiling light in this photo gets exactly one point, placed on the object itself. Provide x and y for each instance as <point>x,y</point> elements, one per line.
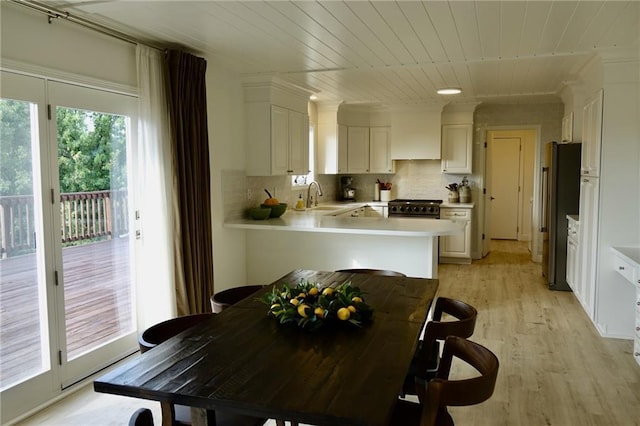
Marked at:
<point>449,91</point>
<point>313,97</point>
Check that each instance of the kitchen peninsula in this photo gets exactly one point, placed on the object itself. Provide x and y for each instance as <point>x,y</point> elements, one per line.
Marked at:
<point>322,238</point>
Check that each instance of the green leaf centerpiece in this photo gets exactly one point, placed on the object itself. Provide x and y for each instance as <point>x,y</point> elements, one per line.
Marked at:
<point>310,307</point>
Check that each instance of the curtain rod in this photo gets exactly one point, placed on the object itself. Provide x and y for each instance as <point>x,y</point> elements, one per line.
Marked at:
<point>53,13</point>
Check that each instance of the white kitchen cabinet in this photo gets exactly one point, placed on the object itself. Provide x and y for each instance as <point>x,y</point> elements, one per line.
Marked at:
<point>457,148</point>
<point>343,149</point>
<point>289,142</point>
<point>358,150</point>
<point>626,262</point>
<point>456,248</point>
<point>567,128</point>
<point>592,136</point>
<point>573,247</point>
<point>379,150</point>
<point>587,256</point>
<point>277,131</point>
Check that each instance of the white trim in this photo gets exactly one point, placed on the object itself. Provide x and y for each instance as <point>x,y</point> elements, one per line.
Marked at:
<point>24,68</point>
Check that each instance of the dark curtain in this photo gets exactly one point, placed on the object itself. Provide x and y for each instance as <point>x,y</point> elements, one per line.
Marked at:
<point>192,207</point>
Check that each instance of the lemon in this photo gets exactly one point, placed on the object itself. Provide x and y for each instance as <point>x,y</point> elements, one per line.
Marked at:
<point>351,308</point>
<point>327,291</point>
<point>302,310</point>
<point>344,314</point>
<point>356,299</point>
<point>319,312</point>
<point>313,291</point>
<point>302,295</point>
<point>294,302</point>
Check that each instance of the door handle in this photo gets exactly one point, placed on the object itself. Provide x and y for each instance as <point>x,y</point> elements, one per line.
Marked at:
<point>492,198</point>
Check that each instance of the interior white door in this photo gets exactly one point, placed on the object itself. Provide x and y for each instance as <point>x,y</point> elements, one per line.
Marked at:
<point>504,175</point>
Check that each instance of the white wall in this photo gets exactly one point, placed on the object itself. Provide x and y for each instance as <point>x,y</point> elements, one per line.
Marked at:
<point>225,108</point>
<point>28,40</point>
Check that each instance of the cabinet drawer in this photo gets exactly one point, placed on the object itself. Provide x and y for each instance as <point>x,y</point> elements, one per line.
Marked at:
<point>624,268</point>
<point>459,214</point>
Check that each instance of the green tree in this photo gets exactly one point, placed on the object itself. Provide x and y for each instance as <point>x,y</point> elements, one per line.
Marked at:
<point>15,148</point>
<point>91,150</point>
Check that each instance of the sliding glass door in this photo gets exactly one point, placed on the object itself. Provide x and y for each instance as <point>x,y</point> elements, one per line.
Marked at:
<point>66,203</point>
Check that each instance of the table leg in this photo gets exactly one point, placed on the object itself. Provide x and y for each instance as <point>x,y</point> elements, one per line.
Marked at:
<point>168,413</point>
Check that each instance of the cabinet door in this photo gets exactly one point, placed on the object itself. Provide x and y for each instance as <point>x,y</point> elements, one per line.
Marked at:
<point>457,148</point>
<point>358,150</point>
<point>279,140</point>
<point>379,146</point>
<point>592,136</point>
<point>571,262</point>
<point>457,245</point>
<point>343,152</point>
<point>298,143</point>
<point>587,256</point>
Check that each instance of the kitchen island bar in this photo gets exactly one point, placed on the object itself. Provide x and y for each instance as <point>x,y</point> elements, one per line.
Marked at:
<point>314,240</point>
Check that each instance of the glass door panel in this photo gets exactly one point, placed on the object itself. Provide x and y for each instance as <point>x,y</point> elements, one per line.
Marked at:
<point>93,130</point>
<point>28,372</point>
<point>24,338</point>
<point>94,213</point>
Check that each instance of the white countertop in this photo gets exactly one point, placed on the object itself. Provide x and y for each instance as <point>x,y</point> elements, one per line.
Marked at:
<point>447,205</point>
<point>322,220</point>
<point>574,217</point>
<point>632,254</point>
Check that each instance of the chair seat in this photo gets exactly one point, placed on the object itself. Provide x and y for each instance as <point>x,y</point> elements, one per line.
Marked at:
<point>225,298</point>
<point>407,413</point>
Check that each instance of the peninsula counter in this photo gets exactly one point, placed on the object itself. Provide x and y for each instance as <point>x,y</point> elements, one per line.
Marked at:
<point>315,239</point>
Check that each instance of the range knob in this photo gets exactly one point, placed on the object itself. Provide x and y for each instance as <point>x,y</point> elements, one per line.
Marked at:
<point>423,209</point>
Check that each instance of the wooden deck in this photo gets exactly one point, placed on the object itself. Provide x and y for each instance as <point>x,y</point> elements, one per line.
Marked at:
<point>97,300</point>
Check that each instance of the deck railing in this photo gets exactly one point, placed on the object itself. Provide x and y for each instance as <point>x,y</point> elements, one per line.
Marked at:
<point>84,216</point>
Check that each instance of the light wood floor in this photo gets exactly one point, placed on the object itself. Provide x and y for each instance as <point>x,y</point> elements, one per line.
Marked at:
<point>554,367</point>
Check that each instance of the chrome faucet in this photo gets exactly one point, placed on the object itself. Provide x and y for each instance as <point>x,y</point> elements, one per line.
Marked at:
<point>318,194</point>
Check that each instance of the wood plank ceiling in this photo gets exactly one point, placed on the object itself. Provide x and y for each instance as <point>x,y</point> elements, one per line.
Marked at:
<point>388,52</point>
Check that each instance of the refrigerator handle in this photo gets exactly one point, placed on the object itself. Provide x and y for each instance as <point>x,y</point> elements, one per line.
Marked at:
<point>544,182</point>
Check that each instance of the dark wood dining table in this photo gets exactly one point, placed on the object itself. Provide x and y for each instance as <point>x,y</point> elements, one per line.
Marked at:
<point>243,360</point>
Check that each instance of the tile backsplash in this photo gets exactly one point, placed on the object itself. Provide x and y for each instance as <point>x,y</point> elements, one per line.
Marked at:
<point>413,179</point>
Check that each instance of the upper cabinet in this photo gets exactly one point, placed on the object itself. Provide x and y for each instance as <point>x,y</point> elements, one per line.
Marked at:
<point>457,148</point>
<point>457,139</point>
<point>415,132</point>
<point>592,136</point>
<point>359,146</point>
<point>567,128</point>
<point>380,150</point>
<point>277,130</point>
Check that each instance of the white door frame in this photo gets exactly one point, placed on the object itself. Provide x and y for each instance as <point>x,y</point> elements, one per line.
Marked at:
<point>483,220</point>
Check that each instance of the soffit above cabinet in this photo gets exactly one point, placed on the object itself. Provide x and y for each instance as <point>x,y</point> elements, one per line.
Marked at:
<point>387,52</point>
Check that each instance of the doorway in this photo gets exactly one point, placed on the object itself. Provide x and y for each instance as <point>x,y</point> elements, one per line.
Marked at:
<point>66,263</point>
<point>509,175</point>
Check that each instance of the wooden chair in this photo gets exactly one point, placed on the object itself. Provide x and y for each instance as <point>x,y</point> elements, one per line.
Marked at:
<point>384,272</point>
<point>141,417</point>
<point>440,393</point>
<point>181,415</point>
<point>426,359</point>
<point>165,330</point>
<point>221,300</point>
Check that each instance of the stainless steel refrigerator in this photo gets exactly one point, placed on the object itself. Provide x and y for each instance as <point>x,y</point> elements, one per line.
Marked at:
<point>560,197</point>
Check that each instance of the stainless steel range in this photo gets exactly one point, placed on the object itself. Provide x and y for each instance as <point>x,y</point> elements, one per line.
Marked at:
<point>428,209</point>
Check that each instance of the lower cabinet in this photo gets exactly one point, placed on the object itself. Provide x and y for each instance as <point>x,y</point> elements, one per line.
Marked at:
<point>572,255</point>
<point>456,248</point>
<point>626,262</point>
